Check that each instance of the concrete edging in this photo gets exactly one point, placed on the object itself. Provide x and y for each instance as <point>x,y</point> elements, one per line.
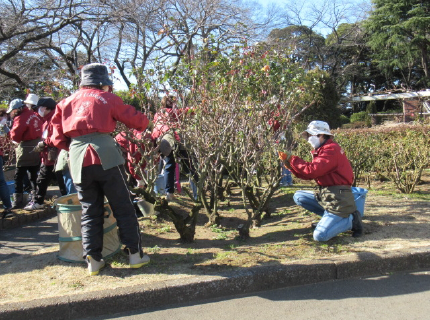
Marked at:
<point>197,288</point>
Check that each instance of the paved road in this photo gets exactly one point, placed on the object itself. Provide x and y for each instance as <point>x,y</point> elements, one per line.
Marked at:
<point>396,297</point>
<point>30,238</point>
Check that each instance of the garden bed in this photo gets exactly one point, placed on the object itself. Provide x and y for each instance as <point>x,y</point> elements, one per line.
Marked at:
<point>392,221</point>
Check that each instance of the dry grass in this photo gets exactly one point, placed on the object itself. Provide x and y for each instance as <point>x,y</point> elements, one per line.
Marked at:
<point>391,222</point>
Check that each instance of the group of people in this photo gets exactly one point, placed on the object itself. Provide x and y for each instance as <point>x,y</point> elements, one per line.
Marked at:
<point>35,157</point>
<point>81,126</point>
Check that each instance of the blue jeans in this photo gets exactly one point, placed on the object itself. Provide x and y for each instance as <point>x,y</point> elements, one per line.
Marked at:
<point>169,173</point>
<point>68,181</point>
<point>287,178</point>
<point>4,189</point>
<point>330,224</point>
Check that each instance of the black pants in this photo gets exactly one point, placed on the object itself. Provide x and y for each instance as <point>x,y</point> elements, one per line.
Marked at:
<point>20,173</point>
<point>97,183</point>
<point>170,167</point>
<point>46,174</point>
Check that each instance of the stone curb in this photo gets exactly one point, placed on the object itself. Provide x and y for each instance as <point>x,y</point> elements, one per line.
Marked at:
<point>21,219</point>
<point>197,288</point>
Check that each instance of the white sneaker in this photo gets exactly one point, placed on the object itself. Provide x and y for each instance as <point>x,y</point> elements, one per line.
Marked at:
<point>94,266</point>
<point>33,206</point>
<point>136,261</point>
<point>170,196</point>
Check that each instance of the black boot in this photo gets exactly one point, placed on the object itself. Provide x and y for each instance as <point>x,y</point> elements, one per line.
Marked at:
<point>357,225</point>
<point>17,200</point>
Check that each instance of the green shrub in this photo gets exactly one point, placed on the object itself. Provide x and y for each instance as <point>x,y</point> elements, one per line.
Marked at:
<point>371,107</point>
<point>359,116</point>
<point>344,120</point>
<point>326,109</point>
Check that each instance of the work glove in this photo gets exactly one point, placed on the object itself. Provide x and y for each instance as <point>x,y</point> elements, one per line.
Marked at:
<point>40,147</point>
<point>285,157</point>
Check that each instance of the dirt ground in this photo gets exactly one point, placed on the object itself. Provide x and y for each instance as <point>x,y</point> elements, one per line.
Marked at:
<point>392,221</point>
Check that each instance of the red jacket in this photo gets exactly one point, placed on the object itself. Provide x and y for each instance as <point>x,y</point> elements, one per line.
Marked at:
<point>47,126</point>
<point>166,119</point>
<point>329,167</point>
<point>88,111</point>
<point>133,153</point>
<point>26,126</point>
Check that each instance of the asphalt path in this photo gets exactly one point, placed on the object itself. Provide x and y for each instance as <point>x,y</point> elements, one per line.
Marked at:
<point>31,237</point>
<point>28,239</point>
<point>399,296</point>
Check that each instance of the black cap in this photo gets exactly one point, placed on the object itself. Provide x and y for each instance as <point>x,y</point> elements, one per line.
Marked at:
<point>95,74</point>
<point>47,102</point>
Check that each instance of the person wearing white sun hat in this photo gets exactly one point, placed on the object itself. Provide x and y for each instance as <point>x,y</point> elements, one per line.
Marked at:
<point>31,101</point>
<point>331,170</point>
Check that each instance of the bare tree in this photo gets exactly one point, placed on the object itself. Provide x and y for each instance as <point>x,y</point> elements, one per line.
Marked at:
<point>22,27</point>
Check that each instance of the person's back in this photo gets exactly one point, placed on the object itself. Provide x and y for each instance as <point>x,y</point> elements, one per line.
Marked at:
<point>26,132</point>
<point>81,124</point>
<point>26,126</point>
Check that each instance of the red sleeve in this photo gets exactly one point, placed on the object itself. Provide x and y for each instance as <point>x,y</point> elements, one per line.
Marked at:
<point>18,130</point>
<point>58,139</point>
<point>122,141</point>
<point>323,163</point>
<point>129,116</point>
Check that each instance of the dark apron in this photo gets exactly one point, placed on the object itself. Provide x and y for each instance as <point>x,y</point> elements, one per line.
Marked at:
<point>24,155</point>
<point>338,200</point>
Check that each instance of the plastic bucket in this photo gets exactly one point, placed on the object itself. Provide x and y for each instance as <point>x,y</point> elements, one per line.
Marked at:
<point>145,207</point>
<point>69,212</point>
<point>360,198</point>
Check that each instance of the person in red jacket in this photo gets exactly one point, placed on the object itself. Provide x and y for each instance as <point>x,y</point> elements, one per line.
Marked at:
<point>82,124</point>
<point>48,155</point>
<point>165,134</point>
<point>26,132</point>
<point>134,156</point>
<point>331,170</point>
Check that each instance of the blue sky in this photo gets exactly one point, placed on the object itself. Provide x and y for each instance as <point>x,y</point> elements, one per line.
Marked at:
<point>348,10</point>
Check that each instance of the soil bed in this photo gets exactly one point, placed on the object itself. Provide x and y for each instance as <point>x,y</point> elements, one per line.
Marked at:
<point>392,221</point>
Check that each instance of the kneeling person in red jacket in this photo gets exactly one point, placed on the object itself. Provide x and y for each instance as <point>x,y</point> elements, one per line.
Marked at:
<point>82,124</point>
<point>331,170</point>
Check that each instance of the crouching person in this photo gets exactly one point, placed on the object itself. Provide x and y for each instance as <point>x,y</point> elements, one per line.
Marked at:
<point>82,124</point>
<point>331,170</point>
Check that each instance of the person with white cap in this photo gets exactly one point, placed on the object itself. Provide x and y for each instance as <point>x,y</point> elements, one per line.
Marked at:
<point>26,132</point>
<point>82,124</point>
<point>31,102</point>
<point>331,170</point>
